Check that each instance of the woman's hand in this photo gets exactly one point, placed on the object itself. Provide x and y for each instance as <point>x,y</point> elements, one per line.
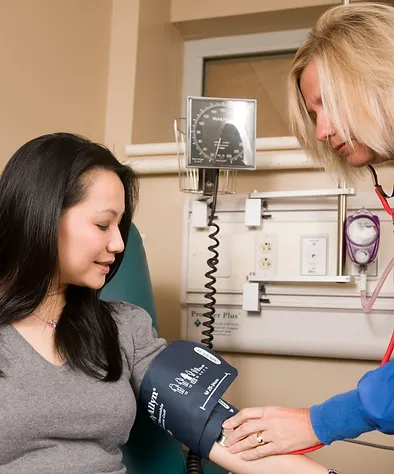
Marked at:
<point>287,464</point>
<point>281,430</point>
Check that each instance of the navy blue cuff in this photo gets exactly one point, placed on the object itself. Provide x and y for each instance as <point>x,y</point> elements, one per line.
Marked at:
<point>338,418</point>
<point>180,390</point>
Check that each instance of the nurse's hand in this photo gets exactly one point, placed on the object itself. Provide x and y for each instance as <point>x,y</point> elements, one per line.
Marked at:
<point>282,430</point>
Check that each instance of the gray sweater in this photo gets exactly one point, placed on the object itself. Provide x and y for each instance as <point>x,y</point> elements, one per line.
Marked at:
<point>58,421</point>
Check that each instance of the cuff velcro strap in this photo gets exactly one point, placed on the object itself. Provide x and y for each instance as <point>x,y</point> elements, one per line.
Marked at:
<point>181,391</point>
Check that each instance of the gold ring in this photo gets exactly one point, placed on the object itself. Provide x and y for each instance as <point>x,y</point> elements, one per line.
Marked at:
<point>259,438</point>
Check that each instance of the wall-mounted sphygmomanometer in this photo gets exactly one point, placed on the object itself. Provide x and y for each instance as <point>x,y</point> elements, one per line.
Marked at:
<point>362,232</point>
<point>215,140</point>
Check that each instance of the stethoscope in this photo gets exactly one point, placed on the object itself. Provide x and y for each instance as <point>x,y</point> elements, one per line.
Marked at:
<point>380,193</point>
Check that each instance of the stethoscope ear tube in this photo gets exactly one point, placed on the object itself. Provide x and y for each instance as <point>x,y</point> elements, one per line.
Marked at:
<point>377,185</point>
<point>380,192</point>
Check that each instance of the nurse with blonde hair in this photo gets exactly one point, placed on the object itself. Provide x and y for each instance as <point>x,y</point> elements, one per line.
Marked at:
<point>341,105</point>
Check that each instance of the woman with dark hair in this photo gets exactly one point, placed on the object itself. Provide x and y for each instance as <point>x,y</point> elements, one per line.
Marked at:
<point>65,209</point>
<point>70,364</point>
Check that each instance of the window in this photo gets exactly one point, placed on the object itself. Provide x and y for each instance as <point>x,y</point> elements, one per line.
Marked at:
<point>250,66</point>
<point>262,78</point>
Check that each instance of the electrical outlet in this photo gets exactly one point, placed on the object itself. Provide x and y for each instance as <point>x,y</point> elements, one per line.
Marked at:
<point>266,255</point>
<point>265,263</point>
<point>266,246</point>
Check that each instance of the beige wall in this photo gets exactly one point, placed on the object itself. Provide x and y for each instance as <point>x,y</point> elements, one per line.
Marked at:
<point>158,84</point>
<point>211,18</point>
<point>145,74</point>
<point>54,65</point>
<point>187,10</point>
<point>121,75</point>
<point>250,23</point>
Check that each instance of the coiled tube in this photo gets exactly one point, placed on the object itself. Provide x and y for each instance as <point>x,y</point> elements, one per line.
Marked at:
<point>210,295</point>
<point>193,463</point>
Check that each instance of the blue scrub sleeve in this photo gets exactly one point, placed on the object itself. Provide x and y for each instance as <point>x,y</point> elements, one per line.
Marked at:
<point>369,407</point>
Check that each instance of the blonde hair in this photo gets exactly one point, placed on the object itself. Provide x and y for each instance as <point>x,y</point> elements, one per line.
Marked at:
<point>353,50</point>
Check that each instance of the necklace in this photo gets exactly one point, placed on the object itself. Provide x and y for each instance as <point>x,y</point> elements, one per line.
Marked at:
<point>51,322</point>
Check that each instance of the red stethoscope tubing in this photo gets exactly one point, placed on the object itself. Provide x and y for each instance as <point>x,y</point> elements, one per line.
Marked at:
<point>390,347</point>
<point>385,204</point>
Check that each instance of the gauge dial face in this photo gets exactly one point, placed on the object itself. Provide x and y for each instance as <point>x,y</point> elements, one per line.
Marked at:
<point>215,136</point>
<point>221,133</point>
<point>363,231</point>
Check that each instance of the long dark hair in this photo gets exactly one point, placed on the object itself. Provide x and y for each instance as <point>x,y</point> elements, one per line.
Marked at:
<point>43,179</point>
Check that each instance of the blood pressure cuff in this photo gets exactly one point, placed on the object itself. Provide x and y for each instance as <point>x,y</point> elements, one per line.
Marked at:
<point>181,391</point>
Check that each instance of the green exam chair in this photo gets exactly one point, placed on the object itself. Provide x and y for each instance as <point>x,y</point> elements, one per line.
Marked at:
<point>149,449</point>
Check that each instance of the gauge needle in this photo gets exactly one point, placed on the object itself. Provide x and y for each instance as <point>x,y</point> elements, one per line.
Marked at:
<point>217,148</point>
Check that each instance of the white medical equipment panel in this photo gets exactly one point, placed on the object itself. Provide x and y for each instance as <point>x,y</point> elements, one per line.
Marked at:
<point>293,254</point>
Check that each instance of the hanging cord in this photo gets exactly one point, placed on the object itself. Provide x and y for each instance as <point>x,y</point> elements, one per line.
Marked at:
<point>212,263</point>
<point>193,463</point>
<point>193,459</point>
<point>370,445</point>
<point>367,303</point>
